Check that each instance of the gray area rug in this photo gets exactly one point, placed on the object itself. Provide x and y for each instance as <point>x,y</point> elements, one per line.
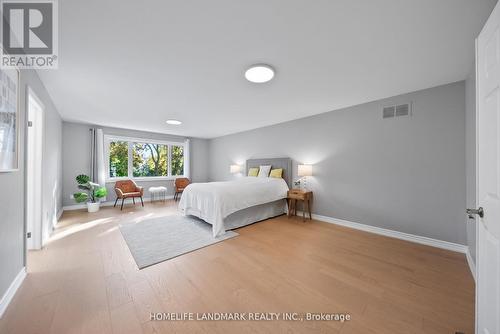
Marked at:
<point>159,239</point>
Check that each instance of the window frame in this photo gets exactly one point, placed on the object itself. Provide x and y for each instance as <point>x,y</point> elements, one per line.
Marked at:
<point>130,168</point>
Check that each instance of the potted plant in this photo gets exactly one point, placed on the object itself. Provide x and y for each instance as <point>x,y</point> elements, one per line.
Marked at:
<point>93,192</point>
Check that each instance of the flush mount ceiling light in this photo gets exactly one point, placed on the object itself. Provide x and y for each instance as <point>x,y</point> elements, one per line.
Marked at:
<point>259,73</point>
<point>174,122</point>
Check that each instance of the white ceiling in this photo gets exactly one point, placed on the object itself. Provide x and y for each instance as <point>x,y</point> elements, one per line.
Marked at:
<point>135,64</point>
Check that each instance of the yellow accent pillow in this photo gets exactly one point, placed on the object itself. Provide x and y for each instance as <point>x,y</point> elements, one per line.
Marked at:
<point>278,173</point>
<point>253,171</point>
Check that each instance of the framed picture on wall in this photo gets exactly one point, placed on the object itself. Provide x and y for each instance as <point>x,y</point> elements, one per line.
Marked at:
<point>9,120</point>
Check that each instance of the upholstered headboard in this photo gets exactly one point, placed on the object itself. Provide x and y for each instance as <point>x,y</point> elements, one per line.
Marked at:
<point>285,163</point>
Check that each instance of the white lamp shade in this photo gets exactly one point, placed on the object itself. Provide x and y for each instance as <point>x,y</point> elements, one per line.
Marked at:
<point>235,169</point>
<point>305,170</point>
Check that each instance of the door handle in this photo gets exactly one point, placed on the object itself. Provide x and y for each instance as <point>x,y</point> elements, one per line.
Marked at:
<point>479,212</point>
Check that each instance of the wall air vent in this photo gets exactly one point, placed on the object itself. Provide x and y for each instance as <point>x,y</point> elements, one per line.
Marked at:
<point>388,112</point>
<point>403,110</point>
<point>397,110</point>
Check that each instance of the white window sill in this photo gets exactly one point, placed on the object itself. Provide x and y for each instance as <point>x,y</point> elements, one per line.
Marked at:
<point>144,179</point>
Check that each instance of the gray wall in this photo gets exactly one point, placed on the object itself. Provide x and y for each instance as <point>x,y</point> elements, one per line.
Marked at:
<point>199,160</point>
<point>52,162</point>
<point>76,153</point>
<point>470,158</point>
<point>12,199</point>
<point>76,157</point>
<point>404,174</point>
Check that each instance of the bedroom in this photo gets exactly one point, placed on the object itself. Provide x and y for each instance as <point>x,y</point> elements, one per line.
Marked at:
<point>259,167</point>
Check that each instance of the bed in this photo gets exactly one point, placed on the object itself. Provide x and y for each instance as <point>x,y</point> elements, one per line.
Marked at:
<point>232,204</point>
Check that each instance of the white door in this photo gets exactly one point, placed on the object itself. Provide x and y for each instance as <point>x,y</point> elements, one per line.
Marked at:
<point>34,172</point>
<point>488,176</point>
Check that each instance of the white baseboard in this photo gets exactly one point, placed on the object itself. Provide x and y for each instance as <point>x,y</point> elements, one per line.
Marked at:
<point>111,203</point>
<point>472,264</point>
<point>11,291</point>
<point>394,234</point>
<point>59,214</point>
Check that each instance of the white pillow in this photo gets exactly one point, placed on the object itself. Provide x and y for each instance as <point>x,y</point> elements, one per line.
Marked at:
<point>264,171</point>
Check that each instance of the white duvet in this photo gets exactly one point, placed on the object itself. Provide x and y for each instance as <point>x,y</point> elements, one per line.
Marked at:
<point>214,201</point>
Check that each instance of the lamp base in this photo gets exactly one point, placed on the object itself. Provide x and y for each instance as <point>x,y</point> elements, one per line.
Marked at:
<point>304,184</point>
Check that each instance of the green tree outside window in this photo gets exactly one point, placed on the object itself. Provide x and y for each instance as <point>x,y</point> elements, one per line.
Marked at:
<point>118,159</point>
<point>177,160</point>
<point>148,159</point>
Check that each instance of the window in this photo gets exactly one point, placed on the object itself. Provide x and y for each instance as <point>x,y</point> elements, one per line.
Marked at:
<point>177,160</point>
<point>136,158</point>
<point>150,159</point>
<point>118,159</point>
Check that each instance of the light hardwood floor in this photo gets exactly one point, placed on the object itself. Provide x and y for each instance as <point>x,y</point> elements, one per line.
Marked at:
<point>86,281</point>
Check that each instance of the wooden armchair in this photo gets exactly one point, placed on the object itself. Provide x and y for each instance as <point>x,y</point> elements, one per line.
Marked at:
<point>180,184</point>
<point>128,189</point>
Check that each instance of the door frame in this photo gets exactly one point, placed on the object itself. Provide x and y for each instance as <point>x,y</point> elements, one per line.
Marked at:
<point>36,241</point>
<point>476,178</point>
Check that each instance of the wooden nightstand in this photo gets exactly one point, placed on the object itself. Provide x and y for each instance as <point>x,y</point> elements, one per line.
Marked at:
<point>295,195</point>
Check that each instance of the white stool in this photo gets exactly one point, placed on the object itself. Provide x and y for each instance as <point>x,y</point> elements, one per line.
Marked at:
<point>158,192</point>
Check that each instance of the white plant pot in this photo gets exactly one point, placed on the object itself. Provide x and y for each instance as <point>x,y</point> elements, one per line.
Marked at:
<point>93,207</point>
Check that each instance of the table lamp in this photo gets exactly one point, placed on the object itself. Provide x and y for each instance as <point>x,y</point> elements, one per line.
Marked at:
<point>235,169</point>
<point>304,171</point>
